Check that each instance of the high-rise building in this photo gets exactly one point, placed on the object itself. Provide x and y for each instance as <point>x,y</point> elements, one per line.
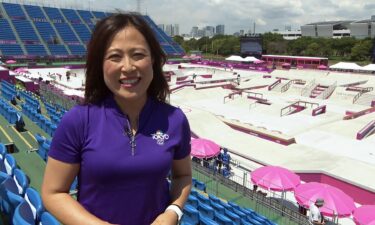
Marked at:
<point>169,30</point>
<point>176,30</point>
<point>220,29</point>
<point>194,32</point>
<point>161,26</point>
<point>209,31</point>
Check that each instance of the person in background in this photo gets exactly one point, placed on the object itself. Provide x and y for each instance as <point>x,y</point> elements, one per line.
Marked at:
<point>315,216</point>
<point>123,141</point>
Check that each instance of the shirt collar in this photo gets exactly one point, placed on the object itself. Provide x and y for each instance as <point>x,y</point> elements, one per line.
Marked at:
<point>145,113</point>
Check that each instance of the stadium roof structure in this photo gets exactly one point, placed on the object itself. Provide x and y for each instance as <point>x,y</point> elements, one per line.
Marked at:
<point>333,23</point>
<point>337,25</point>
<point>364,21</point>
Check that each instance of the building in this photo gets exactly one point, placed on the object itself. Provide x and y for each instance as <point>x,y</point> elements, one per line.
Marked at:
<point>329,29</point>
<point>161,26</point>
<point>289,34</point>
<point>220,29</point>
<point>172,30</point>
<point>194,32</point>
<point>169,30</point>
<point>363,28</point>
<point>209,31</point>
<point>176,30</point>
<point>359,29</point>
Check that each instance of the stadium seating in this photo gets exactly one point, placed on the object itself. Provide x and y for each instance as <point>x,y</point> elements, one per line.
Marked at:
<point>23,215</point>
<point>14,10</point>
<point>57,29</point>
<point>33,198</point>
<point>48,219</point>
<point>21,181</point>
<point>35,12</point>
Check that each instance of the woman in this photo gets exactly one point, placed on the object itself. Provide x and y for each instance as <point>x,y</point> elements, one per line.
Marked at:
<point>123,141</point>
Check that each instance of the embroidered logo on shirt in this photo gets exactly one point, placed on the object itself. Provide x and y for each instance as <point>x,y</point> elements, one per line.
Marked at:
<point>160,137</point>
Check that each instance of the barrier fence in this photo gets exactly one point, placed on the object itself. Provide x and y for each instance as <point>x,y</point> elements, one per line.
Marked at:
<point>239,189</point>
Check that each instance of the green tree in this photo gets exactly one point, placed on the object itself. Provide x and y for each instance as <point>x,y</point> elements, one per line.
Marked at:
<point>343,47</point>
<point>178,39</point>
<point>361,50</point>
<point>273,43</point>
<point>312,49</point>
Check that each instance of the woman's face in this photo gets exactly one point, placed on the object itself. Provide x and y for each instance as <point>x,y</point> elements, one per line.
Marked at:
<point>127,66</point>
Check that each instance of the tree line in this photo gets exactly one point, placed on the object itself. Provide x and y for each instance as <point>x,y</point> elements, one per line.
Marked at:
<point>345,48</point>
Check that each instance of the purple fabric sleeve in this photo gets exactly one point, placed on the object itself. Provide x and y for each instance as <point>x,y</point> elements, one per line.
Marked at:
<point>185,147</point>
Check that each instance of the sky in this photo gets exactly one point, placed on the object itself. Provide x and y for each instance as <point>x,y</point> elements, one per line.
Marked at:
<point>234,14</point>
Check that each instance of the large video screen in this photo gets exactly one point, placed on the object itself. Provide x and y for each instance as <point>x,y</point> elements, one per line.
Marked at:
<point>251,46</point>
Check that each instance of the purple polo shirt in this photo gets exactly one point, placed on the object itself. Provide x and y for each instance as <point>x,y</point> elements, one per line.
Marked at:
<point>115,185</point>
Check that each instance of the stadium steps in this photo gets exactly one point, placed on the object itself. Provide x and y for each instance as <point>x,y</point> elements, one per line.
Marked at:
<point>30,162</point>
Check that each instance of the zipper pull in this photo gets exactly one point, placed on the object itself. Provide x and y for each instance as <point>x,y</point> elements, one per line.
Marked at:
<point>132,144</point>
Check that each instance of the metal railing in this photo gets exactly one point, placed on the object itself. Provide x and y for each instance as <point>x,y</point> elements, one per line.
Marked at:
<point>273,208</point>
<point>309,87</point>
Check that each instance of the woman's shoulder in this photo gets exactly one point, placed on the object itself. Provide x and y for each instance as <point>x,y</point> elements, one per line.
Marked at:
<point>166,107</point>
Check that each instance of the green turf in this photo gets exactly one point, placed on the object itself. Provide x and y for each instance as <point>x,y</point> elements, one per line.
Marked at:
<point>30,162</point>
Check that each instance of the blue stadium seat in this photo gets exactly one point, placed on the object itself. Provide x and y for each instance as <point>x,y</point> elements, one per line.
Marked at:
<point>21,181</point>
<point>205,210</point>
<point>33,198</point>
<point>3,151</point>
<point>10,164</point>
<point>191,215</point>
<point>218,208</point>
<point>71,15</point>
<point>14,10</point>
<point>200,185</point>
<point>192,200</point>
<point>214,198</point>
<point>48,219</point>
<point>234,217</point>
<point>222,219</point>
<point>23,215</point>
<point>207,221</point>
<point>203,199</point>
<point>9,196</point>
<point>34,12</point>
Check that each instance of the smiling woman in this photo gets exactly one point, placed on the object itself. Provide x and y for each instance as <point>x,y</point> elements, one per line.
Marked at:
<point>124,140</point>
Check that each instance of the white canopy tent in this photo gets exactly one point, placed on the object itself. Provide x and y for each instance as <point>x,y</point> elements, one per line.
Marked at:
<point>369,67</point>
<point>235,58</point>
<point>346,66</point>
<point>240,59</point>
<point>251,59</point>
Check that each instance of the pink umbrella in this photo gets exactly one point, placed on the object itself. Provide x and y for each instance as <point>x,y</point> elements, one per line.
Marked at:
<point>364,215</point>
<point>259,61</point>
<point>10,61</point>
<point>275,178</point>
<point>21,70</point>
<point>322,67</point>
<point>336,202</point>
<point>203,148</point>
